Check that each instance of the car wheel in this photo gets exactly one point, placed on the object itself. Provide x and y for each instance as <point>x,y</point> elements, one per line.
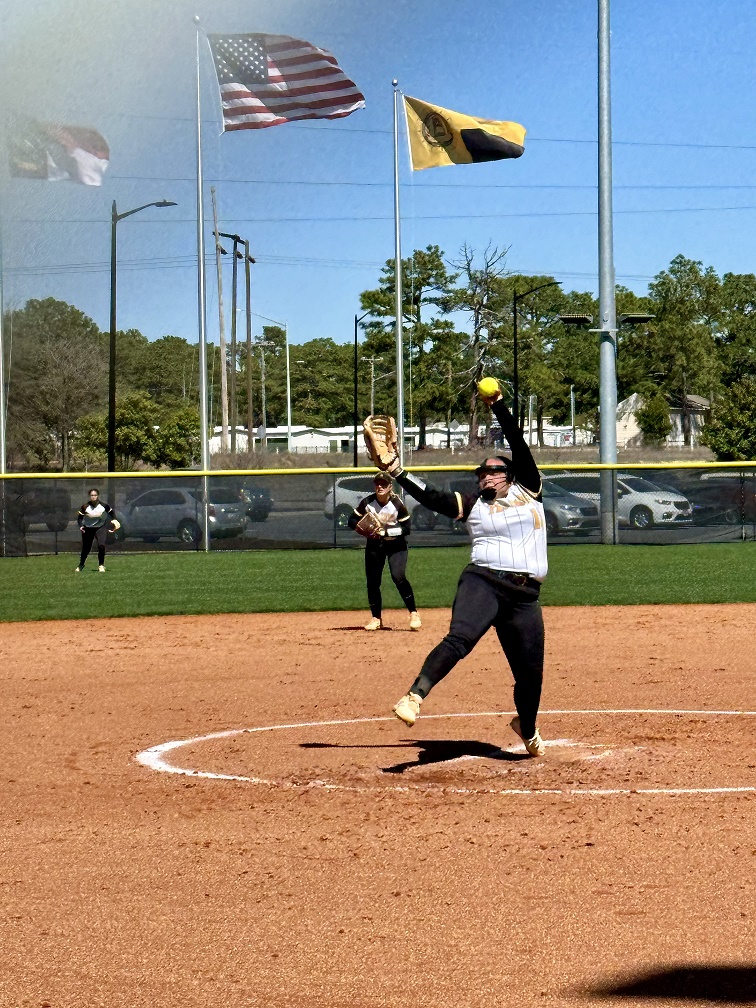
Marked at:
<point>552,523</point>
<point>258,516</point>
<point>641,517</point>
<point>459,527</point>
<point>423,519</point>
<point>189,532</point>
<point>731,517</point>
<point>150,539</point>
<point>341,517</point>
<point>60,526</point>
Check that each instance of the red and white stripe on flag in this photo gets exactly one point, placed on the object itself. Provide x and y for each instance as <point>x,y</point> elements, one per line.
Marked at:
<point>267,80</point>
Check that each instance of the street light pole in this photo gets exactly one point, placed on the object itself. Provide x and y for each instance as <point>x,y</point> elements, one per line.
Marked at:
<point>607,305</point>
<point>515,372</point>
<point>115,217</point>
<point>357,320</point>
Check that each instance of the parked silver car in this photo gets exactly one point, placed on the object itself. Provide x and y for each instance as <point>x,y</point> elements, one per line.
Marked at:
<point>565,513</point>
<point>175,512</point>
<point>641,504</point>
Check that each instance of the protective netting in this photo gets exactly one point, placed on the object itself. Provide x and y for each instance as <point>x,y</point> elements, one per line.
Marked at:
<point>309,510</point>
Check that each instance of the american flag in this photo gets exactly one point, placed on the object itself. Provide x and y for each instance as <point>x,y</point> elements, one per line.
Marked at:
<point>266,80</point>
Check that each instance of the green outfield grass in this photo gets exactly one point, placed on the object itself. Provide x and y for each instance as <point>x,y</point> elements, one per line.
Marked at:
<point>162,584</point>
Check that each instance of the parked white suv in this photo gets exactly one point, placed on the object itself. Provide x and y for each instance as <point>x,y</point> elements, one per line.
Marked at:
<point>641,504</point>
<point>350,490</point>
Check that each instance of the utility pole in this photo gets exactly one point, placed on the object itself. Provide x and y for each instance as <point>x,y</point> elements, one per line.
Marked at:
<point>264,439</point>
<point>372,361</point>
<point>248,260</point>
<point>221,329</point>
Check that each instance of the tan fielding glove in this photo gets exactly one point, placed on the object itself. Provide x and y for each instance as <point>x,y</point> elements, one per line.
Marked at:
<point>381,442</point>
<point>370,526</point>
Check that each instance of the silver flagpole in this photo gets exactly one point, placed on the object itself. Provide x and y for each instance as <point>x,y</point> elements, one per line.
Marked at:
<point>201,312</point>
<point>3,511</point>
<point>398,283</point>
<point>607,330</point>
<point>3,450</point>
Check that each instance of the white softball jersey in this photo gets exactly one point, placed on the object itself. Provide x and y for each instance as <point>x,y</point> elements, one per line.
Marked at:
<point>388,516</point>
<point>510,533</point>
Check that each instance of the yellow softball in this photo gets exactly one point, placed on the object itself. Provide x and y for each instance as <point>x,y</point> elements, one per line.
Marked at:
<point>488,387</point>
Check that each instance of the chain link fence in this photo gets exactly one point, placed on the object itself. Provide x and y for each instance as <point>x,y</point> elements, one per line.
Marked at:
<point>309,509</point>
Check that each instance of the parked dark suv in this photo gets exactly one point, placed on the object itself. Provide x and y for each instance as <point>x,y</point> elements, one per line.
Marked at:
<point>41,503</point>
<point>256,494</point>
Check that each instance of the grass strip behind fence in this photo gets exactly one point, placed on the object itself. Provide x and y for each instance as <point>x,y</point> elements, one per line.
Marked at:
<point>161,584</point>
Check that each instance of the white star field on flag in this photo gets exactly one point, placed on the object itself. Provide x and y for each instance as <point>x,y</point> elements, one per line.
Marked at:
<point>267,80</point>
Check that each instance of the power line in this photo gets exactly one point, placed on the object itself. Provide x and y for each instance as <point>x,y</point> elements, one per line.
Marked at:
<point>189,262</point>
<point>385,217</point>
<point>346,129</point>
<point>420,187</point>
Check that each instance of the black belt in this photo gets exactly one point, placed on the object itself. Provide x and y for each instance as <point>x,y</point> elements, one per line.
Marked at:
<point>506,577</point>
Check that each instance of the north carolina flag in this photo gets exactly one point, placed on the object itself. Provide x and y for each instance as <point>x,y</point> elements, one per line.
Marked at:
<point>438,136</point>
<point>57,151</point>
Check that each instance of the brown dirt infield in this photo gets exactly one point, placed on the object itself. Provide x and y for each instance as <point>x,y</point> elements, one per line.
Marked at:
<point>379,867</point>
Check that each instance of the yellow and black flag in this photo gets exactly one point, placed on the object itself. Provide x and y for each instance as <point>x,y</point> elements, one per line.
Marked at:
<point>438,136</point>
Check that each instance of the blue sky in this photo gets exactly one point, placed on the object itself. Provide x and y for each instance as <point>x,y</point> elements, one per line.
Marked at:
<point>315,199</point>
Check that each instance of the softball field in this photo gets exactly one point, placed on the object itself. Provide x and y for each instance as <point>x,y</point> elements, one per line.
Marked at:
<point>220,811</point>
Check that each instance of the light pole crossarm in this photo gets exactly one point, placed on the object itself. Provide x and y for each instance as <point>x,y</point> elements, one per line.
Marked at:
<point>160,203</point>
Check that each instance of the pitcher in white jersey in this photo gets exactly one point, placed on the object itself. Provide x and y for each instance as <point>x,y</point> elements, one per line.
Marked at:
<point>500,586</point>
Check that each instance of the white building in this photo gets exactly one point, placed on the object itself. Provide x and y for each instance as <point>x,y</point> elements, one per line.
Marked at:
<point>341,439</point>
<point>629,434</point>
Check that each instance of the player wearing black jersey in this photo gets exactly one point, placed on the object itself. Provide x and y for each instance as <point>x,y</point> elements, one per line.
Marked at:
<point>96,519</point>
<point>393,525</point>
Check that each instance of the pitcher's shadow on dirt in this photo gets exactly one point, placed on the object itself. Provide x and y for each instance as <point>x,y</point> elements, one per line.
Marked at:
<point>431,751</point>
<point>715,983</point>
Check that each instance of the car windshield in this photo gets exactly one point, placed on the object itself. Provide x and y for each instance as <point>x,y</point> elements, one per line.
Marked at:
<point>549,490</point>
<point>639,485</point>
<point>223,495</point>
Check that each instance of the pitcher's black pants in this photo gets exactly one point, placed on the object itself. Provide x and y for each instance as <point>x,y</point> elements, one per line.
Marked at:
<point>88,536</point>
<point>377,551</point>
<point>481,603</point>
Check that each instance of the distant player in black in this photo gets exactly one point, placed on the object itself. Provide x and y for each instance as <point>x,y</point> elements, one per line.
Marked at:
<point>391,545</point>
<point>95,520</point>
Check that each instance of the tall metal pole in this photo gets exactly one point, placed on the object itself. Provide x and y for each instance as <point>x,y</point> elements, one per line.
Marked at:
<point>572,412</point>
<point>201,311</point>
<point>515,372</point>
<point>354,403</point>
<point>3,444</point>
<point>232,410</point>
<point>112,348</point>
<point>288,390</point>
<point>264,438</point>
<point>607,307</point>
<point>398,284</point>
<point>221,330</point>
<point>248,260</point>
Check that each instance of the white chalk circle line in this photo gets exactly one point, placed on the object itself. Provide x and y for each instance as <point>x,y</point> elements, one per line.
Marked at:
<point>152,758</point>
